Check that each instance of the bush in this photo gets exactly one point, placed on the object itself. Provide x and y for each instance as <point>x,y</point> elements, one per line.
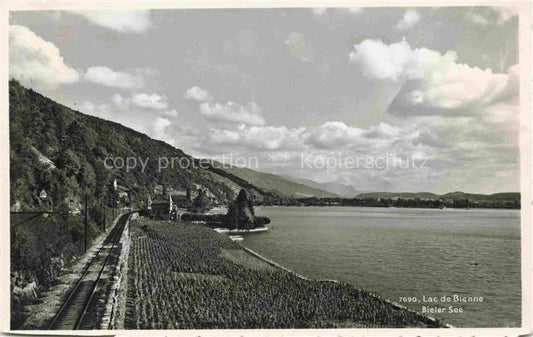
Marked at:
<point>261,221</point>
<point>212,218</point>
<point>144,212</point>
<point>218,220</point>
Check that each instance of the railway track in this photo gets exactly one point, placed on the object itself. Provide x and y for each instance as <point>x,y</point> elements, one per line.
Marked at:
<point>80,310</point>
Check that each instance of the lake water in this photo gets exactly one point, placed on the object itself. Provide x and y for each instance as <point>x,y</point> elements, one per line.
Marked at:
<point>412,253</point>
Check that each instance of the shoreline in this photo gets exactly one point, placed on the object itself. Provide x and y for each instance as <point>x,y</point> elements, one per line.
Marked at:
<point>228,231</point>
<point>396,305</point>
<point>395,207</point>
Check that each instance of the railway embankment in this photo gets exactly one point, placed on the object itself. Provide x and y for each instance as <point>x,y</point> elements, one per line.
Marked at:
<point>42,311</point>
<point>53,308</point>
<point>115,308</point>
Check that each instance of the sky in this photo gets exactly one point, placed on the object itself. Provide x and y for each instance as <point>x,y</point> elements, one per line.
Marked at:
<point>384,99</point>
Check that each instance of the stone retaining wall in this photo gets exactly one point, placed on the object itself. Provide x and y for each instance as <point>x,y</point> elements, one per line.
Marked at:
<point>113,318</point>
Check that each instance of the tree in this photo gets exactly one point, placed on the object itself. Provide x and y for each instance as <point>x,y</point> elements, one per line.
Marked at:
<point>241,212</point>
<point>200,202</point>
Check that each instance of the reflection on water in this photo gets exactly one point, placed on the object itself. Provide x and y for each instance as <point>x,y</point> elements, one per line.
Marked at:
<point>406,253</point>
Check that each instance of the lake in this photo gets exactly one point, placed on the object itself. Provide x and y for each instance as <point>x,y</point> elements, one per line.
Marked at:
<point>406,255</point>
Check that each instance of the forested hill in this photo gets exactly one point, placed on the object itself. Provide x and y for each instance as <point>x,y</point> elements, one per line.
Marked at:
<point>496,197</point>
<point>62,151</point>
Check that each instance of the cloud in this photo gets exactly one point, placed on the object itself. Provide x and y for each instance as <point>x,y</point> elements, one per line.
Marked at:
<point>170,113</point>
<point>159,127</point>
<point>124,21</point>
<point>382,131</point>
<point>145,101</point>
<point>409,19</point>
<point>431,83</point>
<point>383,62</point>
<point>36,62</point>
<point>492,15</point>
<point>258,137</point>
<point>249,113</point>
<point>450,145</point>
<point>434,137</point>
<point>98,110</point>
<point>333,135</point>
<point>198,94</point>
<point>153,101</point>
<point>108,77</point>
<point>120,101</point>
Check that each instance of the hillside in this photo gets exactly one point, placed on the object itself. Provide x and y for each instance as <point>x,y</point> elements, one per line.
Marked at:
<point>448,196</point>
<point>346,191</point>
<point>62,151</point>
<point>278,184</point>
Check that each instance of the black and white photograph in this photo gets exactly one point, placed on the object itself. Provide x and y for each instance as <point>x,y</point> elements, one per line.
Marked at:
<point>271,166</point>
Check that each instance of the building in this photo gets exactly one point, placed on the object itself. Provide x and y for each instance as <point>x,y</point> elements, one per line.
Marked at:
<point>181,201</point>
<point>44,202</point>
<point>74,204</point>
<point>164,201</point>
<point>161,207</point>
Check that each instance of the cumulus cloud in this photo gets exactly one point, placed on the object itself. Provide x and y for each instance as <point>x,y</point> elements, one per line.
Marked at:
<point>153,101</point>
<point>258,137</point>
<point>159,127</point>
<point>382,131</point>
<point>198,94</point>
<point>249,113</point>
<point>408,20</point>
<point>380,61</point>
<point>333,135</point>
<point>431,83</point>
<point>467,142</point>
<point>109,77</point>
<point>134,21</point>
<point>98,110</point>
<point>36,62</point>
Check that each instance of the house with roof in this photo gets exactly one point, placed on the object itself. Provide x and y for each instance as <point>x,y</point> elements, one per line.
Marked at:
<point>181,201</point>
<point>161,207</point>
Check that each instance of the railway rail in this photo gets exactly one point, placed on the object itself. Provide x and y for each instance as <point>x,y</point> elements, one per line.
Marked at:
<point>80,309</point>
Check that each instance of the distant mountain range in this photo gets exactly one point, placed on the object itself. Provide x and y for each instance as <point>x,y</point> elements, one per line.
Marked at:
<point>511,196</point>
<point>342,190</point>
<point>280,185</point>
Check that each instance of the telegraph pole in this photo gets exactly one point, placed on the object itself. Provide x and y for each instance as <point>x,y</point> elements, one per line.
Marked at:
<point>103,208</point>
<point>86,221</point>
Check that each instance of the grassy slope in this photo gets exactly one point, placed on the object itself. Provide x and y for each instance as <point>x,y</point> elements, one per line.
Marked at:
<point>278,184</point>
